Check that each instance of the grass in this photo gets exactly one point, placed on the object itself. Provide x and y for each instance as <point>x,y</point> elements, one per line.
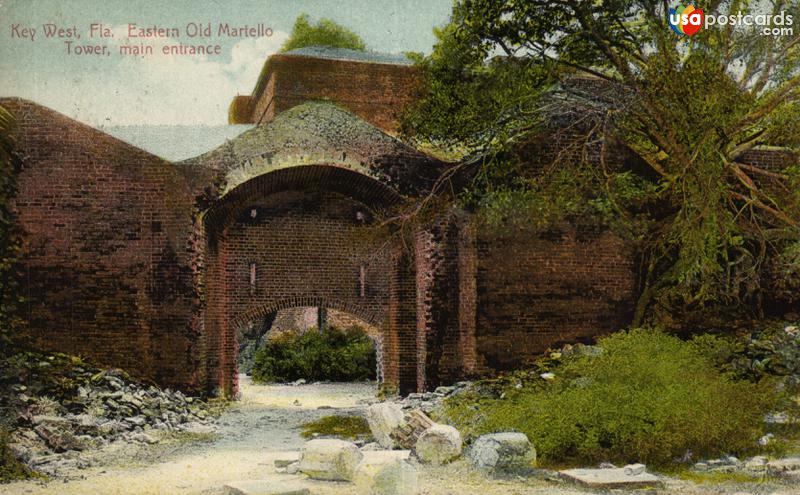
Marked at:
<point>344,427</point>
<point>717,477</point>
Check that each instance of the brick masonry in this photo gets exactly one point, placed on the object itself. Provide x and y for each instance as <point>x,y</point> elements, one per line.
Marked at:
<point>375,92</point>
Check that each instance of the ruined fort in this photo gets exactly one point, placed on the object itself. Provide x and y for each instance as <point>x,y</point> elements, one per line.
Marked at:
<point>152,266</point>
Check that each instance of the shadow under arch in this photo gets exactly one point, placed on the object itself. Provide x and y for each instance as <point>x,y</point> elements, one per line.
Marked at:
<point>374,194</point>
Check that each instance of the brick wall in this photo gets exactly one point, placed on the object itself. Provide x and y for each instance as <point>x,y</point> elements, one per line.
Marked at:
<point>537,291</point>
<point>105,252</point>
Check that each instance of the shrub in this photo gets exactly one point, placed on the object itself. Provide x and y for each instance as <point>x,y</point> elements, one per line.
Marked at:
<point>334,355</point>
<point>647,397</point>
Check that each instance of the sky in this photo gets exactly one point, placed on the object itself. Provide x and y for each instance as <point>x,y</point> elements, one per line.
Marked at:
<point>115,90</point>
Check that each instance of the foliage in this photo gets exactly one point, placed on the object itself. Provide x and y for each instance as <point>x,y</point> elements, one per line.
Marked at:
<point>773,352</point>
<point>9,237</point>
<point>646,397</point>
<point>608,76</point>
<point>345,427</point>
<point>333,354</point>
<point>324,33</point>
<point>10,468</point>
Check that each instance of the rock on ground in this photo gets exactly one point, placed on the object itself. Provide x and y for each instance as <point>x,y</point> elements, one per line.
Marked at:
<point>609,479</point>
<point>386,475</point>
<point>439,444</point>
<point>502,451</point>
<point>328,459</point>
<point>384,419</point>
<point>259,487</point>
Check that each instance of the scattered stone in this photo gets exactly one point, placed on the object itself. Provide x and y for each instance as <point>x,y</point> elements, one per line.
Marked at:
<point>607,479</point>
<point>329,459</point>
<point>766,439</point>
<point>259,487</point>
<point>508,451</point>
<point>384,419</point>
<point>386,476</point>
<point>289,458</point>
<point>143,438</point>
<point>548,376</point>
<point>780,467</point>
<point>439,444</point>
<point>296,383</point>
<point>756,464</point>
<point>102,407</point>
<point>634,469</point>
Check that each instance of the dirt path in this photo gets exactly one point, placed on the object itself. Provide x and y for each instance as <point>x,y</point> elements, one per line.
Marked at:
<point>260,428</point>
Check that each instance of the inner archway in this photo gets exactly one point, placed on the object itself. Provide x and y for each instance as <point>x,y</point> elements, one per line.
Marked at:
<point>298,329</point>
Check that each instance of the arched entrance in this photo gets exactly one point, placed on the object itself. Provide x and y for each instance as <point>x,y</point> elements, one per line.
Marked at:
<point>306,236</point>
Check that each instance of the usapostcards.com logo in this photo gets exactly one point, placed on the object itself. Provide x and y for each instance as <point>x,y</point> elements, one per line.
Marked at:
<point>687,21</point>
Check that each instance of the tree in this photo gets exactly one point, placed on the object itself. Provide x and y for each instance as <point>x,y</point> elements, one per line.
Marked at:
<point>706,221</point>
<point>324,33</point>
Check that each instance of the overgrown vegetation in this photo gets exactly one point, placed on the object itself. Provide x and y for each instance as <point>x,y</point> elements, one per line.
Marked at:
<point>10,322</point>
<point>333,355</point>
<point>344,427</point>
<point>645,397</point>
<point>717,233</point>
<point>323,33</point>
<point>10,468</point>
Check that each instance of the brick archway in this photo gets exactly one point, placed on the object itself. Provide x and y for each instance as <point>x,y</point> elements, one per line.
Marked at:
<point>261,310</point>
<point>305,236</point>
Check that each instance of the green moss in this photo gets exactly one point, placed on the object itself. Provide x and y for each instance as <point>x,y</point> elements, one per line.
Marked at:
<point>345,427</point>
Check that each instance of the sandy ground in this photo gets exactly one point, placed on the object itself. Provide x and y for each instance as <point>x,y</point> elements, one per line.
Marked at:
<point>262,427</point>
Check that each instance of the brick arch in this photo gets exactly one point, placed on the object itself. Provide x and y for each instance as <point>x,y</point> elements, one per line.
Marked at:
<point>261,310</point>
<point>307,245</point>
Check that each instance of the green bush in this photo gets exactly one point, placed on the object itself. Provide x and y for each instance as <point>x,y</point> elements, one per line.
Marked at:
<point>334,355</point>
<point>647,397</point>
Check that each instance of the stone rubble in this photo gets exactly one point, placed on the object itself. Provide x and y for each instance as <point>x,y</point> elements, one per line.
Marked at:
<point>50,435</point>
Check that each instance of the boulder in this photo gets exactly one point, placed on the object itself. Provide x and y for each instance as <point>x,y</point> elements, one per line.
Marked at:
<point>328,459</point>
<point>384,419</point>
<point>505,451</point>
<point>386,476</point>
<point>259,487</point>
<point>439,444</point>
